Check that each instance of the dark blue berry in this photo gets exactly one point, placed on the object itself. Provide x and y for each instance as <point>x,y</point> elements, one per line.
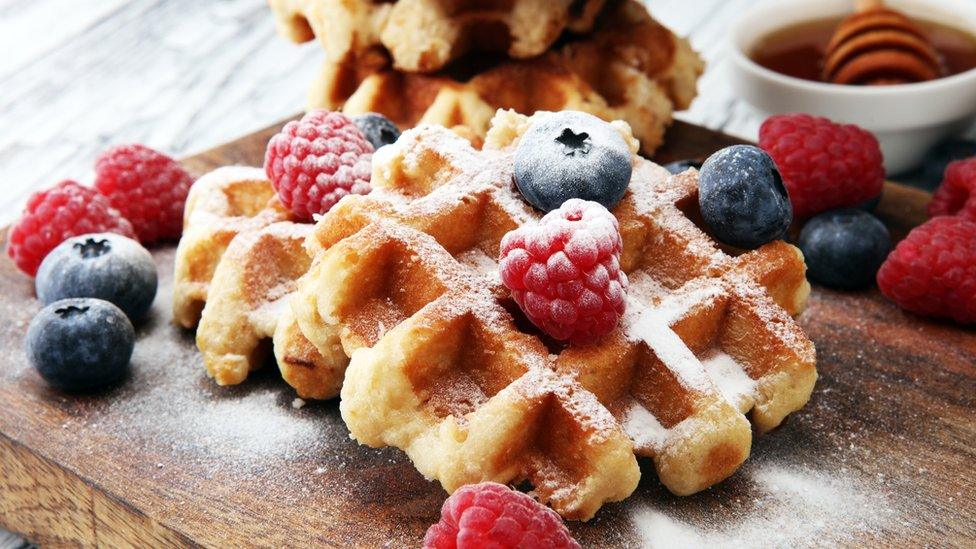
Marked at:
<point>571,154</point>
<point>844,248</point>
<point>100,265</point>
<point>870,204</point>
<point>681,166</point>
<point>377,128</point>
<point>929,174</point>
<point>742,197</point>
<point>80,344</point>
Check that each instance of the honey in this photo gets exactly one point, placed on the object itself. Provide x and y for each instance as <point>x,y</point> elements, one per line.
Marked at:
<point>798,50</point>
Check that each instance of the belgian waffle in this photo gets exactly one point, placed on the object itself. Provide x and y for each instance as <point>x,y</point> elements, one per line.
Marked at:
<point>424,35</point>
<point>236,269</point>
<point>629,68</point>
<point>220,205</point>
<point>248,306</point>
<point>444,366</point>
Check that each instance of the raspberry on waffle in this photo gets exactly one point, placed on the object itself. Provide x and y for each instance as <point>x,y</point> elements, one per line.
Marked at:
<point>629,68</point>
<point>445,366</point>
<point>424,35</point>
<point>221,204</point>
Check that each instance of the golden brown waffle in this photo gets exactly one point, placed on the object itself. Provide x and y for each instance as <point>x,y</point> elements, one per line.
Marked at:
<point>248,305</point>
<point>221,204</point>
<point>424,35</point>
<point>445,366</point>
<point>630,68</point>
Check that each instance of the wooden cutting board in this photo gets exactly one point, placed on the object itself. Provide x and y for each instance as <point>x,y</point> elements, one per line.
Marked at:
<point>882,455</point>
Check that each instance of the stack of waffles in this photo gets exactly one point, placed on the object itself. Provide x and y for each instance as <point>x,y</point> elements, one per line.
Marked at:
<point>394,299</point>
<point>455,62</point>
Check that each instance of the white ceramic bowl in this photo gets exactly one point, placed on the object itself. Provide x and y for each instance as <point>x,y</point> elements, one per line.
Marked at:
<point>907,119</point>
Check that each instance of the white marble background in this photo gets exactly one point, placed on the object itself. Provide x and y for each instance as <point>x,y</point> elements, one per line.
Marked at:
<point>184,75</point>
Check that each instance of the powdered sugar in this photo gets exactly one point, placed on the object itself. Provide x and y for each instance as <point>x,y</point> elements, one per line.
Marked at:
<point>732,380</point>
<point>480,262</point>
<point>652,326</point>
<point>643,428</point>
<point>790,507</point>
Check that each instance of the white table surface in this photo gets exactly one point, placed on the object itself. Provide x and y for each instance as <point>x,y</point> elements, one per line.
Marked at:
<point>184,75</point>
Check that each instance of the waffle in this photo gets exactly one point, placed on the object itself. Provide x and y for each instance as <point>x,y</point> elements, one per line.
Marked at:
<point>220,205</point>
<point>444,365</point>
<point>424,35</point>
<point>629,68</point>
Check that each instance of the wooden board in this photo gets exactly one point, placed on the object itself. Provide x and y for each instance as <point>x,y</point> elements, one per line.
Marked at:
<point>883,454</point>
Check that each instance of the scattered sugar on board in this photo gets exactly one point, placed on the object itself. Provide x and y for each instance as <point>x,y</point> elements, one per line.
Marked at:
<point>793,507</point>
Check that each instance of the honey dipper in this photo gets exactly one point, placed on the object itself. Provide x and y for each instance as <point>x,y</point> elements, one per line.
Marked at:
<point>878,46</point>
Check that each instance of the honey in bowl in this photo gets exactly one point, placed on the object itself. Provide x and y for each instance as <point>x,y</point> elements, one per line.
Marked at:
<point>799,50</point>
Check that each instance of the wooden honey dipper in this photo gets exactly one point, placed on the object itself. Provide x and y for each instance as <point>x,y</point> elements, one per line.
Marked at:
<point>879,46</point>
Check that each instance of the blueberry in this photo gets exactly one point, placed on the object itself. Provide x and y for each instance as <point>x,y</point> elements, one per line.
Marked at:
<point>377,128</point>
<point>100,265</point>
<point>80,344</point>
<point>571,154</point>
<point>742,197</point>
<point>870,204</point>
<point>681,166</point>
<point>929,174</point>
<point>844,248</point>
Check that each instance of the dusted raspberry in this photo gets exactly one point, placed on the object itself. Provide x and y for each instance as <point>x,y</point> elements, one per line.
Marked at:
<point>564,272</point>
<point>54,215</point>
<point>148,187</point>
<point>933,271</point>
<point>824,165</point>
<point>315,161</point>
<point>957,195</point>
<point>492,515</point>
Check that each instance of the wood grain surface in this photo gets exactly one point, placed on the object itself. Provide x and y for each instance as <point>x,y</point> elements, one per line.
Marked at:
<point>882,455</point>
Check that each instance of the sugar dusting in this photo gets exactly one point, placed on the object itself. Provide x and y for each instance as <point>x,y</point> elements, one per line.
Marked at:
<point>193,418</point>
<point>652,326</point>
<point>731,378</point>
<point>791,506</point>
<point>643,428</point>
<point>480,262</point>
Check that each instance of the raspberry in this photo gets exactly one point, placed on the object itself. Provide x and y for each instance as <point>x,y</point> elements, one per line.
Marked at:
<point>492,515</point>
<point>565,272</point>
<point>957,195</point>
<point>56,214</point>
<point>315,161</point>
<point>148,187</point>
<point>824,165</point>
<point>933,271</point>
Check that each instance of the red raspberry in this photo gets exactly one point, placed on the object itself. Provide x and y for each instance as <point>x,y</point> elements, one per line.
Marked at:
<point>148,187</point>
<point>824,165</point>
<point>933,271</point>
<point>957,195</point>
<point>54,215</point>
<point>565,272</point>
<point>492,515</point>
<point>315,161</point>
